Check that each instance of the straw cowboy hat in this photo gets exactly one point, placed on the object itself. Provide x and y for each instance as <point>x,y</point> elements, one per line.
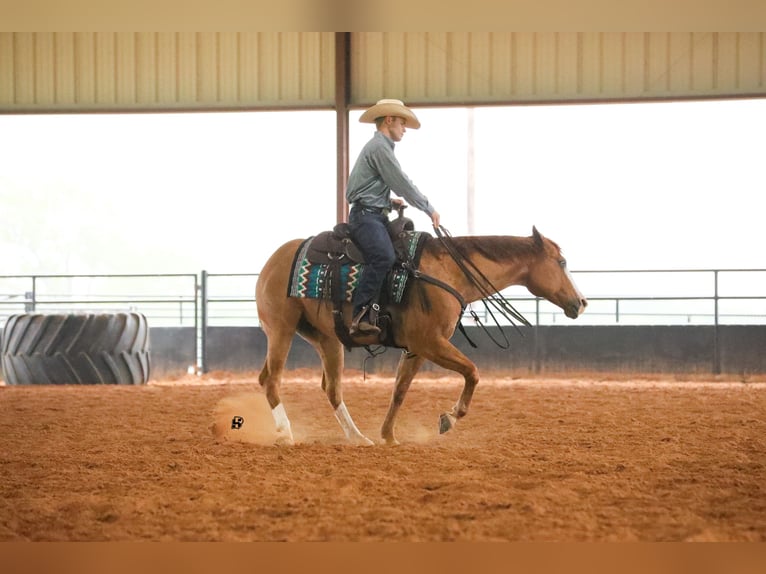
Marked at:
<point>390,108</point>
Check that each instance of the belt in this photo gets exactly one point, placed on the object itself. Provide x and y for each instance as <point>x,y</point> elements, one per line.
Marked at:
<point>383,210</point>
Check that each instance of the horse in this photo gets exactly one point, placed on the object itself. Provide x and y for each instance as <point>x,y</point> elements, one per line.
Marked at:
<point>422,323</point>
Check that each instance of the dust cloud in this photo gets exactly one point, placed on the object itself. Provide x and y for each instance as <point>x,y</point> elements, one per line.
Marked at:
<point>244,417</point>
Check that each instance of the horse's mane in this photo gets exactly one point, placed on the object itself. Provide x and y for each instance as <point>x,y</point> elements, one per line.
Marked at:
<point>496,248</point>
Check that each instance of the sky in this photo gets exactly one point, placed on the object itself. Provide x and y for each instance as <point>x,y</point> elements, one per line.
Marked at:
<point>619,186</point>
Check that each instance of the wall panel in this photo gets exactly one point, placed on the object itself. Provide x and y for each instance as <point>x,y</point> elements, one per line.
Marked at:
<point>45,90</point>
<point>501,57</point>
<point>439,57</point>
<point>554,349</point>
<point>416,65</point>
<point>24,66</point>
<point>749,63</point>
<point>309,47</point>
<point>727,60</point>
<point>125,69</point>
<point>567,57</point>
<point>394,65</point>
<point>85,68</point>
<point>680,62</point>
<point>484,68</point>
<point>546,62</point>
<point>45,71</point>
<point>248,67</point>
<point>7,69</point>
<point>290,64</point>
<point>106,80</point>
<point>268,67</point>
<point>167,67</point>
<point>702,70</point>
<point>613,63</point>
<point>207,70</point>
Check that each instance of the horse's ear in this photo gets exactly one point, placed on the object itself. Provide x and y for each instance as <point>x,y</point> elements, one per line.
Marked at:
<point>537,237</point>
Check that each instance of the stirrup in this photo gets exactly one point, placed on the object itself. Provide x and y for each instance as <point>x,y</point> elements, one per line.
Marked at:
<point>361,327</point>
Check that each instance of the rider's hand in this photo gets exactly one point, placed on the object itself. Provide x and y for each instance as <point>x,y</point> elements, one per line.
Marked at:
<point>396,202</point>
<point>435,219</point>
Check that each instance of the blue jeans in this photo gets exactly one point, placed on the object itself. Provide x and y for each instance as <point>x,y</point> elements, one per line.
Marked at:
<point>369,230</point>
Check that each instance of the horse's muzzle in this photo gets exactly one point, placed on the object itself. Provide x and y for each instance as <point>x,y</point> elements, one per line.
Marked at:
<point>576,309</point>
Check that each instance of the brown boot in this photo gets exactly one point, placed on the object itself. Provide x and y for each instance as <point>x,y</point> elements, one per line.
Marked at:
<point>361,325</point>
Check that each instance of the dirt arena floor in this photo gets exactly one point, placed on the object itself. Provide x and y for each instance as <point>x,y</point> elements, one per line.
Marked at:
<point>549,458</point>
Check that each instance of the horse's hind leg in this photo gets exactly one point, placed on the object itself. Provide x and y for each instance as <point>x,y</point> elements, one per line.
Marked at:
<point>279,342</point>
<point>409,365</point>
<point>331,353</point>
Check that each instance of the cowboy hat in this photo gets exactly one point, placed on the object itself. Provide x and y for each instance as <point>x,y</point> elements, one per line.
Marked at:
<point>390,108</point>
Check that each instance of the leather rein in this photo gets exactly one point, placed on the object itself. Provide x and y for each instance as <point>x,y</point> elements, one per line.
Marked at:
<point>491,297</point>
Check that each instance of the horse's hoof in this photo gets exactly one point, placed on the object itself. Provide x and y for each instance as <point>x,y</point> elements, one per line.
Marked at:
<point>284,440</point>
<point>391,441</point>
<point>359,440</point>
<point>446,422</point>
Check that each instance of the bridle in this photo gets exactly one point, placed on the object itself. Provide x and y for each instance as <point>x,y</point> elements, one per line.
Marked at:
<point>491,297</point>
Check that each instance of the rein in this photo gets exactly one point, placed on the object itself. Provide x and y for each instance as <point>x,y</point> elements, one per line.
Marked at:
<point>452,291</point>
<point>490,294</point>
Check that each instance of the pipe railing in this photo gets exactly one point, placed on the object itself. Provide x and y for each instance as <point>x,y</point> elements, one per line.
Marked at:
<point>228,299</point>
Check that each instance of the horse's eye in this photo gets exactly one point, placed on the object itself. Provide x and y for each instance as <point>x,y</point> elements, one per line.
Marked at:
<point>563,263</point>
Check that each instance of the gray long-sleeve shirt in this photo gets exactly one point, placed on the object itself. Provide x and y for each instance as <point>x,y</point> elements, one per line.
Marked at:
<point>377,173</point>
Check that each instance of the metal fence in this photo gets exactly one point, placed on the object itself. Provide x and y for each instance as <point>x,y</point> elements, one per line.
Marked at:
<point>617,297</point>
<point>628,297</point>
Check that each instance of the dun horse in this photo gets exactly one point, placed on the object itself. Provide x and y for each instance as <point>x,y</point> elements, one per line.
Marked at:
<point>423,330</point>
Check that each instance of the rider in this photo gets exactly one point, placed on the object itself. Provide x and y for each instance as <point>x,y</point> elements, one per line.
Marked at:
<point>374,176</point>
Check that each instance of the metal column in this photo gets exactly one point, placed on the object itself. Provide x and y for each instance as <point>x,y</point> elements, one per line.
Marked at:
<point>342,97</point>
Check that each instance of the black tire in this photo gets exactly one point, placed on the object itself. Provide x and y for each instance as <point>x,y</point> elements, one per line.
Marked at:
<point>109,348</point>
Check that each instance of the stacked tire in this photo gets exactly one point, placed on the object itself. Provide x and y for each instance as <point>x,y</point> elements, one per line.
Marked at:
<point>86,348</point>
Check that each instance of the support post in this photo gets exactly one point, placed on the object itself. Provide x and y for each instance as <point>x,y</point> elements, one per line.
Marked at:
<point>202,350</point>
<point>31,297</point>
<point>471,175</point>
<point>716,342</point>
<point>536,341</point>
<point>342,97</point>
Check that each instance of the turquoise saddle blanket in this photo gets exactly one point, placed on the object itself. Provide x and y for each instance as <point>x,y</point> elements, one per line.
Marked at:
<point>337,282</point>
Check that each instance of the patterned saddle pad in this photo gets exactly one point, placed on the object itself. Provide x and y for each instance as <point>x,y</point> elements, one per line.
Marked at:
<point>337,282</point>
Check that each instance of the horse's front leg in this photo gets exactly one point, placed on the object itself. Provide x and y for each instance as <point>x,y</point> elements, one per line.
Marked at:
<point>446,355</point>
<point>409,365</point>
